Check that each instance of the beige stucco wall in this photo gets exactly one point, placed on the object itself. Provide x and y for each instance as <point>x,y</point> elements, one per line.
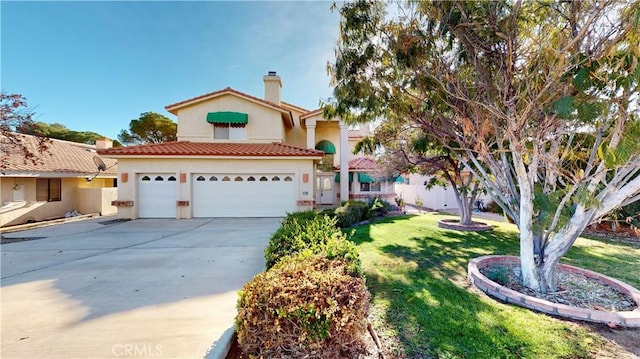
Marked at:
<point>352,146</point>
<point>97,200</point>
<point>128,191</point>
<point>329,131</point>
<point>265,124</point>
<point>14,212</point>
<point>296,135</point>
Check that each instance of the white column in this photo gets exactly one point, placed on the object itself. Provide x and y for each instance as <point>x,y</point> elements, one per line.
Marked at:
<point>344,161</point>
<point>311,132</point>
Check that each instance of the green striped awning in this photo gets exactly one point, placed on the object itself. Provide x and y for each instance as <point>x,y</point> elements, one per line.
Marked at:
<point>365,178</point>
<point>228,117</point>
<point>326,146</point>
<point>337,177</point>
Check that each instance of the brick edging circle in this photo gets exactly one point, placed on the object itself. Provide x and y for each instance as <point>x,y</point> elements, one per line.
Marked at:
<point>625,318</point>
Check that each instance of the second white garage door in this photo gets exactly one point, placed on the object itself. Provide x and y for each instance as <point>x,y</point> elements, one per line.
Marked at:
<point>243,195</point>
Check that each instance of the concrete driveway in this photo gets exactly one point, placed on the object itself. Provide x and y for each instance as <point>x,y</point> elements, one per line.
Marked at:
<point>145,288</point>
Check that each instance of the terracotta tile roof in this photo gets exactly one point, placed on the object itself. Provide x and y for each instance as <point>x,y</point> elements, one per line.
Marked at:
<point>363,164</point>
<point>175,106</point>
<point>63,157</point>
<point>213,149</point>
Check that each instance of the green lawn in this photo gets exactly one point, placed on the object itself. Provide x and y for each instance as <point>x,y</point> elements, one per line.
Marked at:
<point>416,273</point>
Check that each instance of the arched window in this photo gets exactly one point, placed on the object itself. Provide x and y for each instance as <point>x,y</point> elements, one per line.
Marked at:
<point>275,178</point>
<point>145,178</point>
<point>238,179</point>
<point>200,178</point>
<point>226,179</point>
<point>172,179</point>
<point>251,179</point>
<point>213,178</point>
<point>288,179</point>
<point>159,178</point>
<point>263,179</point>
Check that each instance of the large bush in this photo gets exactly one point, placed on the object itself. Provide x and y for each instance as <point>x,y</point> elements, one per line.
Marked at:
<point>303,307</point>
<point>314,234</point>
<point>629,214</point>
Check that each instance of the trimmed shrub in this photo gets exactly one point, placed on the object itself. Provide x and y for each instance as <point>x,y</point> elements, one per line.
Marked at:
<point>304,307</point>
<point>378,206</point>
<point>331,212</point>
<point>319,235</point>
<point>301,216</point>
<point>335,248</point>
<point>352,212</point>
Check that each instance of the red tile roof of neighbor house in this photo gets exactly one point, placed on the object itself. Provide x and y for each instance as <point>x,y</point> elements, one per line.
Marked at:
<point>63,157</point>
<point>175,106</point>
<point>213,149</point>
<point>363,164</point>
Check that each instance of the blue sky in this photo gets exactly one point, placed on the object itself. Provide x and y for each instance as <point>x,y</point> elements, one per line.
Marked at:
<point>94,66</point>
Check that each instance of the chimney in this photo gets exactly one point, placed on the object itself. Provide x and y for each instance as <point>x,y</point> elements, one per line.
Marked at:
<point>272,87</point>
<point>103,143</point>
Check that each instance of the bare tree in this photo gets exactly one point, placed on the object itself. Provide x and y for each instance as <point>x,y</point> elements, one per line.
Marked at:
<point>16,114</point>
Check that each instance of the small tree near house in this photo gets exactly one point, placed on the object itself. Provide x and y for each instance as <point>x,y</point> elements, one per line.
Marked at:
<point>405,149</point>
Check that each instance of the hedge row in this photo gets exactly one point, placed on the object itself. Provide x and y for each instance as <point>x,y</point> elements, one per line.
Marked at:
<point>312,302</point>
<point>311,233</point>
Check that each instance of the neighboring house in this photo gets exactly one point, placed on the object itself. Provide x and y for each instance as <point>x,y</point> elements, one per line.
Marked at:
<point>242,156</point>
<point>57,184</point>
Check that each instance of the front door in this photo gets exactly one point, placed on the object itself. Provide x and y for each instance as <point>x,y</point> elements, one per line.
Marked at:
<point>324,189</point>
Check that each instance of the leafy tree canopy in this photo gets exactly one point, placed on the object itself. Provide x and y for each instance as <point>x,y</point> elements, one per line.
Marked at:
<point>60,132</point>
<point>150,127</point>
<point>538,99</point>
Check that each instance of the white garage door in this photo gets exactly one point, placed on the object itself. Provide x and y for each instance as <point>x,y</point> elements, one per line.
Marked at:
<point>157,195</point>
<point>243,195</point>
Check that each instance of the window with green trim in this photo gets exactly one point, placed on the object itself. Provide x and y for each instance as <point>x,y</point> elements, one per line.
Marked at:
<point>370,187</point>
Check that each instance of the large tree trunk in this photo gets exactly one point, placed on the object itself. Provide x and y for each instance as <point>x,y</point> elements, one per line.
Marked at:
<point>465,201</point>
<point>466,211</point>
<point>539,259</point>
<point>538,268</point>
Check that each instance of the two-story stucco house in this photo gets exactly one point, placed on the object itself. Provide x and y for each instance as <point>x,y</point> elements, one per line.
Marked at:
<point>242,156</point>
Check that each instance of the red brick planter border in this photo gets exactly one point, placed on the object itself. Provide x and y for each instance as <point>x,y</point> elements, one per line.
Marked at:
<point>455,224</point>
<point>495,290</point>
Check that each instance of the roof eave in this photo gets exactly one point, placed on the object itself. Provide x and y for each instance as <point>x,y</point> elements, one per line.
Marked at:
<point>252,157</point>
<point>34,174</point>
<point>175,107</point>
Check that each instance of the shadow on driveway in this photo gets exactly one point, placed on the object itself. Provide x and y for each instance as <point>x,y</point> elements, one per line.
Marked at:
<point>152,287</point>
